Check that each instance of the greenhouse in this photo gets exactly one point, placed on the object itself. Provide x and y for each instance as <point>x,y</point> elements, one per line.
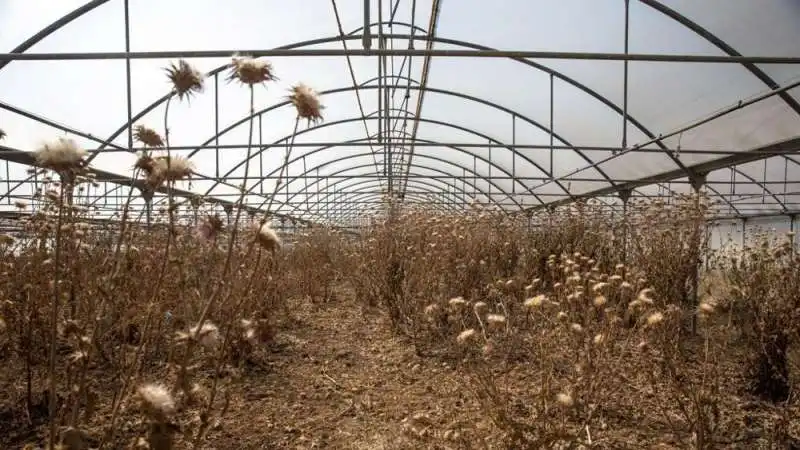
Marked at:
<point>207,170</point>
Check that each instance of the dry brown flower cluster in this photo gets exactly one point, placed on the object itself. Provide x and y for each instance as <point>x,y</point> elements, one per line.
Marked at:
<point>579,315</point>
<point>173,314</point>
<point>569,326</point>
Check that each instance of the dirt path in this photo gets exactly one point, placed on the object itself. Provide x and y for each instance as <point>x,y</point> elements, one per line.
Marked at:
<point>341,379</point>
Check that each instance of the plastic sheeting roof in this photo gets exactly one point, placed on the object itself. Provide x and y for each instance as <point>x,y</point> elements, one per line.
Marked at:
<point>520,133</point>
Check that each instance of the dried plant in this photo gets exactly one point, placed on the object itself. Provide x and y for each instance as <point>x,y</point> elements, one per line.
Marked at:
<point>61,155</point>
<point>250,71</point>
<point>186,80</point>
<point>147,136</point>
<point>306,102</point>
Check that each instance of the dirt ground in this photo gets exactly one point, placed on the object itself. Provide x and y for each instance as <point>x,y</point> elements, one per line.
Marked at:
<point>342,380</point>
<point>338,378</point>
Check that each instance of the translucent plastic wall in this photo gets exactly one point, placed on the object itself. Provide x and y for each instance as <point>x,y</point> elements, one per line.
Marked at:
<point>514,132</point>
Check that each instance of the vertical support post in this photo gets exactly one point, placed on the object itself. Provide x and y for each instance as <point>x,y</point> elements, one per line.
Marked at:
<point>216,125</point>
<point>514,153</point>
<point>366,40</point>
<point>8,182</point>
<point>387,119</point>
<point>625,195</point>
<point>464,185</point>
<point>305,180</point>
<point>744,232</point>
<point>490,171</point>
<point>260,155</point>
<point>785,177</point>
<point>552,131</point>
<point>128,88</point>
<point>698,181</point>
<point>327,201</point>
<point>764,184</point>
<point>732,191</point>
<point>286,180</point>
<point>793,230</point>
<point>625,80</point>
<point>474,176</point>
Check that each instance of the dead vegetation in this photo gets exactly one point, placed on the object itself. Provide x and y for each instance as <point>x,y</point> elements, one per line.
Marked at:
<point>570,328</point>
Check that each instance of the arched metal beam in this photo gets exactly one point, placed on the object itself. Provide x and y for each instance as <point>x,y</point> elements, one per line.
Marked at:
<point>299,158</point>
<point>53,27</point>
<point>436,122</point>
<point>453,147</point>
<point>308,171</point>
<point>725,47</point>
<point>441,160</point>
<point>304,191</point>
<point>365,202</point>
<point>92,5</point>
<point>246,119</point>
<point>350,196</point>
<point>435,90</point>
<point>295,207</point>
<point>461,193</point>
<point>394,23</point>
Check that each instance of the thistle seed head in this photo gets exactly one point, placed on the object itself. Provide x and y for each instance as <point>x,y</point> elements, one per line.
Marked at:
<point>268,239</point>
<point>186,80</point>
<point>60,155</point>
<point>307,103</point>
<point>250,71</point>
<point>147,136</point>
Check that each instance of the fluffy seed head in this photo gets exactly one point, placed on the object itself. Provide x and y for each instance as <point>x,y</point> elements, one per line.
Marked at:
<point>250,71</point>
<point>147,136</point>
<point>465,336</point>
<point>60,155</point>
<point>564,399</point>
<point>655,318</point>
<point>457,301</point>
<point>208,335</point>
<point>645,296</point>
<point>210,228</point>
<point>185,79</point>
<point>496,319</point>
<point>535,301</point>
<point>164,168</point>
<point>156,400</point>
<point>600,301</point>
<point>307,103</point>
<point>268,239</point>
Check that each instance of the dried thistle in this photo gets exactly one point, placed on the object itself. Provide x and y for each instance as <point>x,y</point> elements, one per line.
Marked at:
<point>60,155</point>
<point>156,401</point>
<point>148,136</point>
<point>465,336</point>
<point>165,168</point>
<point>267,238</point>
<point>307,103</point>
<point>250,71</point>
<point>208,335</point>
<point>185,79</point>
<point>210,228</point>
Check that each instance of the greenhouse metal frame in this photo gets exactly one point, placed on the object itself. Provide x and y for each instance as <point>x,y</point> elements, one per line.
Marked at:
<point>392,159</point>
